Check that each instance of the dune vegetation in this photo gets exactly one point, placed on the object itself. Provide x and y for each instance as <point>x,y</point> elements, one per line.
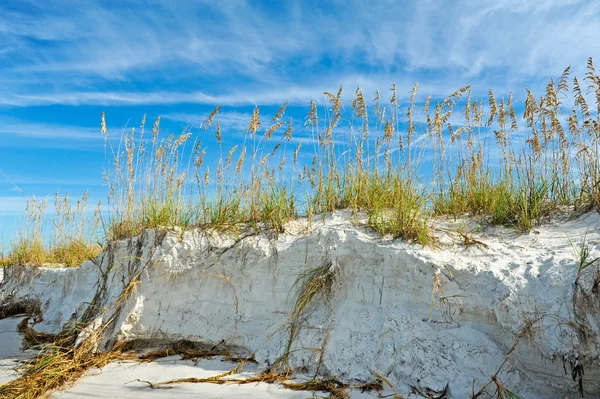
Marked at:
<point>400,164</point>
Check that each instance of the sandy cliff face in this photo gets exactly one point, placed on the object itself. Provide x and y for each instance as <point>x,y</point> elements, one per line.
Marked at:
<point>423,317</point>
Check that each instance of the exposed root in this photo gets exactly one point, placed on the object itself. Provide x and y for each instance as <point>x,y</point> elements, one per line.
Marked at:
<point>469,240</point>
<point>451,305</point>
<point>577,373</point>
<point>389,384</point>
<point>17,307</point>
<point>33,338</point>
<point>430,393</point>
<point>189,350</point>
<point>150,384</point>
<point>376,385</point>
<point>335,388</point>
<point>228,280</point>
<point>501,391</point>
<point>216,379</point>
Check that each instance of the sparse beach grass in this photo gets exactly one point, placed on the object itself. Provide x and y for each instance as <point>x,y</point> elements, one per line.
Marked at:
<point>72,239</point>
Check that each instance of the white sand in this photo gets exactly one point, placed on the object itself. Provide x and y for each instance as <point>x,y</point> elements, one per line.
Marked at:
<point>117,380</point>
<point>10,349</point>
<point>382,316</point>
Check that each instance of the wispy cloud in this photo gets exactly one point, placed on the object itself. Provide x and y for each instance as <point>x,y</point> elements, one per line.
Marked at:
<point>21,180</point>
<point>295,95</point>
<point>12,205</point>
<point>245,52</point>
<point>229,120</point>
<point>19,128</point>
<point>511,37</point>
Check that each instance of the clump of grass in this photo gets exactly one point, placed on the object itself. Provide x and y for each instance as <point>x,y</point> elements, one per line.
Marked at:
<point>153,185</point>
<point>553,165</point>
<point>57,365</point>
<point>504,203</point>
<point>312,284</point>
<point>277,207</point>
<point>66,236</point>
<point>584,258</point>
<point>369,180</point>
<point>395,207</point>
<point>27,251</point>
<point>146,188</point>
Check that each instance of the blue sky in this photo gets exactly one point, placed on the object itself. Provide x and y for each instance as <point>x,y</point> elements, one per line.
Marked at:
<point>65,62</point>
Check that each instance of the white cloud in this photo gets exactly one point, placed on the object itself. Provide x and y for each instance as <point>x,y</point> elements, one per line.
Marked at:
<point>13,127</point>
<point>12,205</point>
<point>524,39</point>
<point>295,95</point>
<point>239,53</point>
<point>229,120</point>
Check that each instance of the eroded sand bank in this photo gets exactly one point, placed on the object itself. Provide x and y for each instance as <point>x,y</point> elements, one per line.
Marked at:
<point>422,317</point>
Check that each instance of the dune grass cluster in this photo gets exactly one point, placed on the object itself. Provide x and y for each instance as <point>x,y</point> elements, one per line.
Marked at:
<point>72,241</point>
<point>399,164</point>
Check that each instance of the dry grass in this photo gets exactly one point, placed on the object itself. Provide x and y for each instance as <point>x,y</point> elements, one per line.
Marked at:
<point>189,350</point>
<point>335,388</point>
<point>56,366</point>
<point>32,338</point>
<point>312,285</point>
<point>501,391</point>
<point>36,253</point>
<point>67,236</point>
